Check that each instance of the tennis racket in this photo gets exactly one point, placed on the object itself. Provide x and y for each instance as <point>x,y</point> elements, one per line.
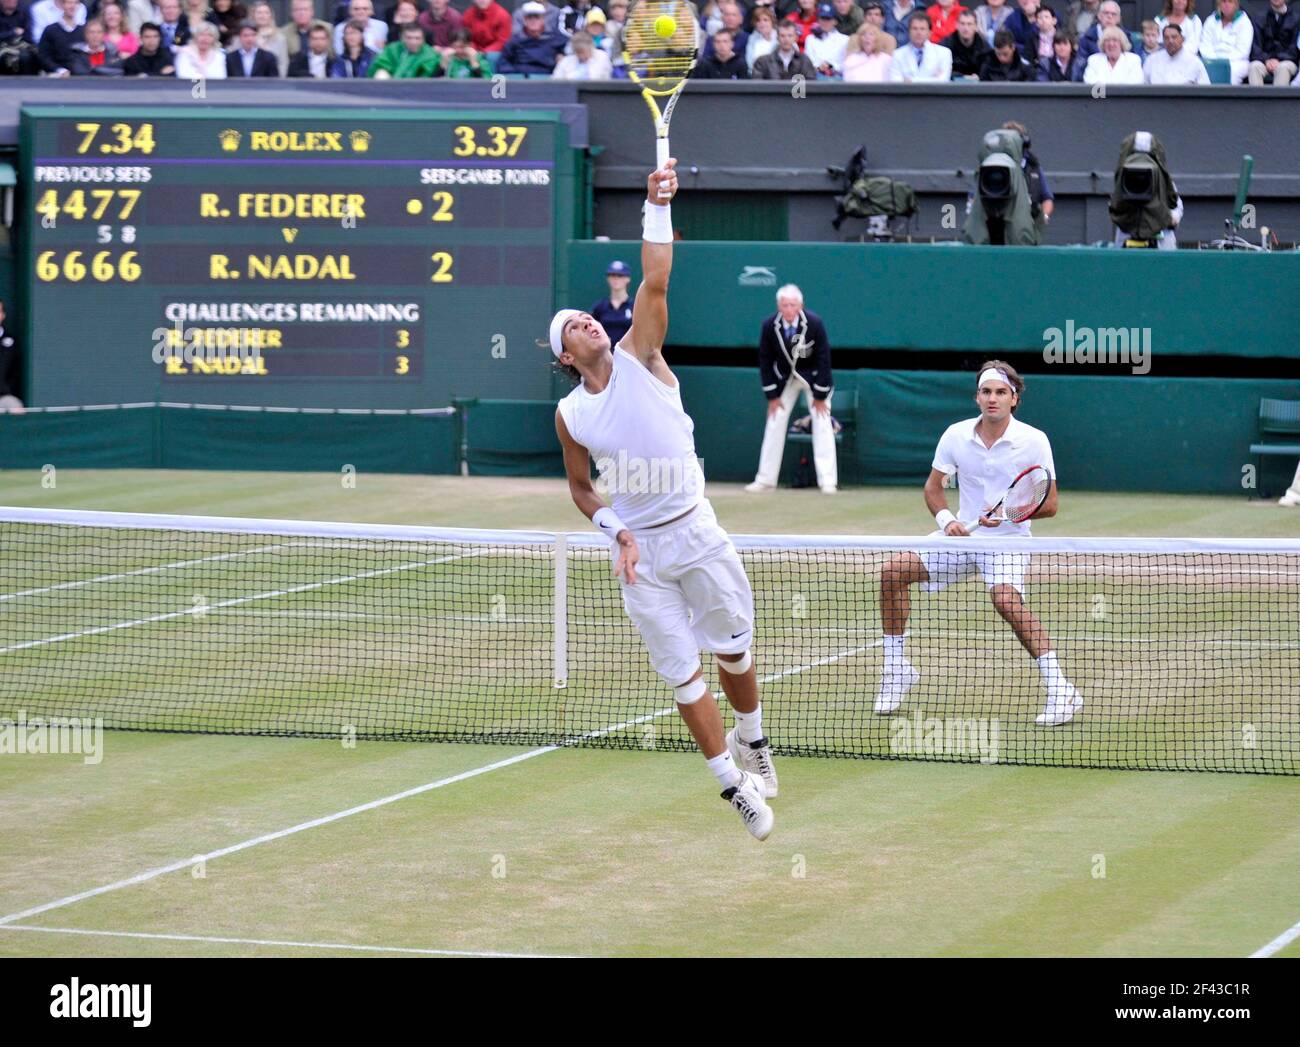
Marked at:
<point>1023,499</point>
<point>659,50</point>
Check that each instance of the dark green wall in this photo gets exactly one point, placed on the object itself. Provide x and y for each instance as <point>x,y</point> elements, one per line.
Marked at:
<point>1117,434</point>
<point>1108,434</point>
<point>949,296</point>
<point>176,438</point>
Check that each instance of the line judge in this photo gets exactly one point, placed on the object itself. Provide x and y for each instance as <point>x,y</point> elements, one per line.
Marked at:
<point>794,356</point>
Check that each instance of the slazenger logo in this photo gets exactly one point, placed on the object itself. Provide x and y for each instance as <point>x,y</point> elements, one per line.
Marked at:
<point>102,1001</point>
<point>756,276</point>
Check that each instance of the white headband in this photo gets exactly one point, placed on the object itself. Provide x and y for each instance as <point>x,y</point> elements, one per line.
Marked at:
<point>998,375</point>
<point>557,329</point>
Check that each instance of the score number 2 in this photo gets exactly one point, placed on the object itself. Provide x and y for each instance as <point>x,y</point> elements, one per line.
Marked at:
<point>504,141</point>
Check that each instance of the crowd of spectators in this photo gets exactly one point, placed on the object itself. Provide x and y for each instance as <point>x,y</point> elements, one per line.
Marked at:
<point>1013,41</point>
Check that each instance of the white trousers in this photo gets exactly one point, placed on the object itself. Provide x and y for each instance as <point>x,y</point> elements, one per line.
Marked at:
<point>823,438</point>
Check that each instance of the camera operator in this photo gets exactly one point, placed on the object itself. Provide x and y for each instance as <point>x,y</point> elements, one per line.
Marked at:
<point>1001,210</point>
<point>1144,203</point>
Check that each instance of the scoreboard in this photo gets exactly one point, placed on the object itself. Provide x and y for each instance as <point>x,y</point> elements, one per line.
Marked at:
<point>290,257</point>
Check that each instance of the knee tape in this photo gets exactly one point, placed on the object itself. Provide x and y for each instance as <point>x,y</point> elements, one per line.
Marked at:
<point>737,668</point>
<point>689,693</point>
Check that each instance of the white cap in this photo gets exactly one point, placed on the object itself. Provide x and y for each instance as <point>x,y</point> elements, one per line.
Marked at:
<point>533,8</point>
<point>557,327</point>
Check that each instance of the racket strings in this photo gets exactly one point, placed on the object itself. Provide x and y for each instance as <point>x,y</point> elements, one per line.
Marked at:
<point>660,62</point>
<point>1026,496</point>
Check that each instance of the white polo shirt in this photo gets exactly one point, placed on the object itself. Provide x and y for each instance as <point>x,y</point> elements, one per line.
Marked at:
<point>985,473</point>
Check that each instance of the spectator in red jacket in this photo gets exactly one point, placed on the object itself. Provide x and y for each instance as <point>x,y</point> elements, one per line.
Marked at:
<point>805,18</point>
<point>488,24</point>
<point>943,19</point>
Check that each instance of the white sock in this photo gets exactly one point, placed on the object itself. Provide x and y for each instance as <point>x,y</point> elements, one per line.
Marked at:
<point>894,653</point>
<point>725,770</point>
<point>1051,670</point>
<point>749,726</point>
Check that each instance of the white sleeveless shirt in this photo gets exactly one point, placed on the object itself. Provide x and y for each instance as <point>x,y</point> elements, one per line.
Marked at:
<point>642,442</point>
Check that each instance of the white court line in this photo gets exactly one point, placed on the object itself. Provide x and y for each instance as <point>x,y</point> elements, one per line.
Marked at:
<point>1277,944</point>
<point>412,617</point>
<point>288,944</point>
<point>192,612</point>
<point>828,660</point>
<point>162,870</point>
<point>139,571</point>
<point>1181,642</point>
<point>415,616</point>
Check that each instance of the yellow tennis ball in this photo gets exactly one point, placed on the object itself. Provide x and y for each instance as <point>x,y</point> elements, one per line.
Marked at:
<point>665,26</point>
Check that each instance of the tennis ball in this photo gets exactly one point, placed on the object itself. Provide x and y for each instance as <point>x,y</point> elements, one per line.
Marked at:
<point>665,26</point>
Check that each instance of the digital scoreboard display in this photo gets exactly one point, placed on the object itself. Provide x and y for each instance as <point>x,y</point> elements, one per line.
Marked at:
<point>290,257</point>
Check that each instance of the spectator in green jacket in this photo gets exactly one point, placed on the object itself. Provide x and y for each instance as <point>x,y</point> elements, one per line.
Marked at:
<point>462,61</point>
<point>848,16</point>
<point>408,59</point>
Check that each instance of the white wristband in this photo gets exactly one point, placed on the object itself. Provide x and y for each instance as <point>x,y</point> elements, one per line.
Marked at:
<point>607,520</point>
<point>658,223</point>
<point>943,518</point>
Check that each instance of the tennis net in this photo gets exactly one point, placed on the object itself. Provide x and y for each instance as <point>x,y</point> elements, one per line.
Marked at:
<point>1187,652</point>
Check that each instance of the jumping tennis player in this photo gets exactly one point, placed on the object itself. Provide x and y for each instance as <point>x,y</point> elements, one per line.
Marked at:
<point>986,454</point>
<point>683,584</point>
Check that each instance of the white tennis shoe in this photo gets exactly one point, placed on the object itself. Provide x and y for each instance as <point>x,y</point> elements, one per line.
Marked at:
<point>1063,704</point>
<point>756,758</point>
<point>894,687</point>
<point>747,798</point>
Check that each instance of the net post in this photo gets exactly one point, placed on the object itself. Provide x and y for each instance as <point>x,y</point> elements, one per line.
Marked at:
<point>561,611</point>
<point>461,405</point>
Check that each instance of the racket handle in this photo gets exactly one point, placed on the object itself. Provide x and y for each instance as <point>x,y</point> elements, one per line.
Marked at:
<point>661,161</point>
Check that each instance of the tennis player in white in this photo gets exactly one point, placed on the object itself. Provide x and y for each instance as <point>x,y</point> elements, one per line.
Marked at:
<point>684,586</point>
<point>986,454</point>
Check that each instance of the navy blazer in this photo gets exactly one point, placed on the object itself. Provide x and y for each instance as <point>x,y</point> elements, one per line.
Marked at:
<point>775,355</point>
<point>264,64</point>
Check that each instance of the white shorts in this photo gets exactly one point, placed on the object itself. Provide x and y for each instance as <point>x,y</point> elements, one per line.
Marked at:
<point>691,594</point>
<point>945,567</point>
